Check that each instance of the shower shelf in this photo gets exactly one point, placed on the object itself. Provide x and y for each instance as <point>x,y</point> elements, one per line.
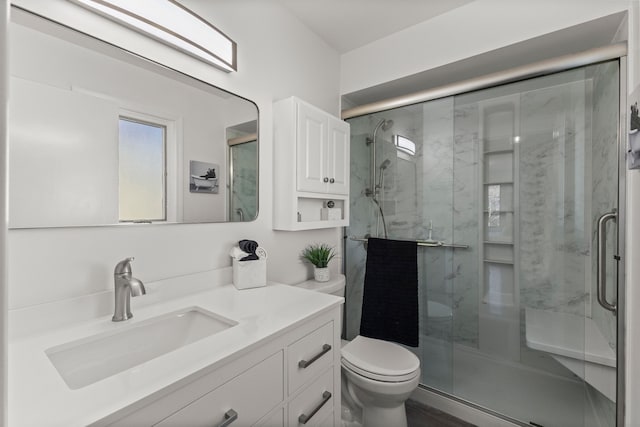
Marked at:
<point>489,242</point>
<point>499,261</point>
<point>506,150</point>
<point>498,183</point>
<point>498,212</point>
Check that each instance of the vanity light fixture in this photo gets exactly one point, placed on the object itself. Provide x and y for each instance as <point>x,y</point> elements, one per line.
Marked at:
<point>171,23</point>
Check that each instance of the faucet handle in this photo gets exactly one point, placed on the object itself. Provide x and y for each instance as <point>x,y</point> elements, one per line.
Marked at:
<point>124,266</point>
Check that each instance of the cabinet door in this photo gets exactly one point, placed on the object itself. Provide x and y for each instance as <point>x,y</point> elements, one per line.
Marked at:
<point>311,150</point>
<point>338,157</point>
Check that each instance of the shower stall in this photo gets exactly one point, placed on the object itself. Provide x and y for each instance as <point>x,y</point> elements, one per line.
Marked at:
<point>513,193</point>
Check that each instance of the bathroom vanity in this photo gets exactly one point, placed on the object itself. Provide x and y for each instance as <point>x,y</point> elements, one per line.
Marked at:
<point>274,362</point>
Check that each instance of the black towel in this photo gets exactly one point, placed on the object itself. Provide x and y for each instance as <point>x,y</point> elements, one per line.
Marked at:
<point>249,246</point>
<point>390,300</point>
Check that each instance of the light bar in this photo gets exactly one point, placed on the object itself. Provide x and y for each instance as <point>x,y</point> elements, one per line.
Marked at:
<point>172,24</point>
<point>405,144</point>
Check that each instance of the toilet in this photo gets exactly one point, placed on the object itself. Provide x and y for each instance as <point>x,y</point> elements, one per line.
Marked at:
<point>377,376</point>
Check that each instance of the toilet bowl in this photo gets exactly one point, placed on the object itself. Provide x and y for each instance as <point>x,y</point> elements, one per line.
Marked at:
<point>378,376</point>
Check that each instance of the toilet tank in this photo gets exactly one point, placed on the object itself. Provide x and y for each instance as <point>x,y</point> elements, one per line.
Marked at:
<point>335,286</point>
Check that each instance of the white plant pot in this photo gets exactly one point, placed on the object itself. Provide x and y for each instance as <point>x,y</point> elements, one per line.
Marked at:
<point>321,274</point>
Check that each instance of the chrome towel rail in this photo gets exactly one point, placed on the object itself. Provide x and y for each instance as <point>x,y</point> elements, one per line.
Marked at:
<point>425,243</point>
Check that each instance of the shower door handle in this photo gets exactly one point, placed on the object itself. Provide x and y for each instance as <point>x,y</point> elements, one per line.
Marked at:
<point>602,260</point>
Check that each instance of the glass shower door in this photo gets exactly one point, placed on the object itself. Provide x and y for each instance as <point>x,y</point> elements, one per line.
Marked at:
<point>547,171</point>
<point>525,178</point>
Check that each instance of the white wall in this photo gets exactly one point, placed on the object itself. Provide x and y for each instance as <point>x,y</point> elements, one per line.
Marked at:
<point>4,84</point>
<point>473,29</point>
<point>277,57</point>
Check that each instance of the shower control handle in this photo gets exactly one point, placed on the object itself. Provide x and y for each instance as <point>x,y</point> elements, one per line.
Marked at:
<point>332,180</point>
<point>601,256</point>
<point>326,179</point>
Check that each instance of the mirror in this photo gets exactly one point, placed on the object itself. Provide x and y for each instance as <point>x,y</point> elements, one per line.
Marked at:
<point>99,136</point>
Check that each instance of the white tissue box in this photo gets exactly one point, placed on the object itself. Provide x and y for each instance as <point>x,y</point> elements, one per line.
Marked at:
<point>249,274</point>
<point>331,214</point>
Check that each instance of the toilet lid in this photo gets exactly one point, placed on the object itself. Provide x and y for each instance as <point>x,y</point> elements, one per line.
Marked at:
<point>381,360</point>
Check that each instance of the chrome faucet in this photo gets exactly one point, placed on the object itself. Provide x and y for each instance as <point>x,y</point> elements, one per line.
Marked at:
<point>125,286</point>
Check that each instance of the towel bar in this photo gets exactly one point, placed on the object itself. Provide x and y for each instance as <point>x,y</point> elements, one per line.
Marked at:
<point>429,244</point>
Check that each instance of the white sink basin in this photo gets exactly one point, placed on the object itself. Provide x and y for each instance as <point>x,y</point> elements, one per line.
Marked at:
<point>94,358</point>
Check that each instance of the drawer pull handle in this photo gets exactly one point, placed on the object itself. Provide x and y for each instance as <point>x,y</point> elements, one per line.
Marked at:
<point>229,417</point>
<point>304,363</point>
<point>303,419</point>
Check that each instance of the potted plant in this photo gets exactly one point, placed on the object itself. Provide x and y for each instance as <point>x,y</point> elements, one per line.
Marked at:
<point>319,254</point>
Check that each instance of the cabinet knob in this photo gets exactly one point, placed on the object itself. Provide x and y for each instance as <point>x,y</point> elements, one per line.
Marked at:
<point>332,180</point>
<point>325,179</point>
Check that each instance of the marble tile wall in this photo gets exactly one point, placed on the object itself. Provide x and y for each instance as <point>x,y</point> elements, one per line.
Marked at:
<point>554,247</point>
<point>604,178</point>
<point>416,193</point>
<point>467,201</point>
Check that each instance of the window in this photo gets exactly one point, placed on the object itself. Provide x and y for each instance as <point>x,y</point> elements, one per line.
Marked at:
<point>142,171</point>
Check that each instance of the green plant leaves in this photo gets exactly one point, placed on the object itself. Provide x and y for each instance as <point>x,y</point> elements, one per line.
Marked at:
<point>318,254</point>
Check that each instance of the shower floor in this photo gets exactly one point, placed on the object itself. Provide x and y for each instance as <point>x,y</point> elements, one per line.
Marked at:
<point>510,388</point>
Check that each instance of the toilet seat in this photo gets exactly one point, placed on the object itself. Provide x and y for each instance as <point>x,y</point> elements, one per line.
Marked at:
<point>380,360</point>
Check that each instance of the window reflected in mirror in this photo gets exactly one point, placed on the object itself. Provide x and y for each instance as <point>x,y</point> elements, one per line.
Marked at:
<point>142,171</point>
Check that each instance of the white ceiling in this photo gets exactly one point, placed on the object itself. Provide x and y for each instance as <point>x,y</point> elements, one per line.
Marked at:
<point>349,24</point>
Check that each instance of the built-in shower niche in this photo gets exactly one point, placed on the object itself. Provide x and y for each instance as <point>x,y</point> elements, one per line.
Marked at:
<point>499,299</point>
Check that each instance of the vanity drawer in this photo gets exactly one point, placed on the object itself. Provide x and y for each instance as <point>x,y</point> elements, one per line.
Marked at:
<point>250,395</point>
<point>310,355</point>
<point>275,419</point>
<point>314,404</point>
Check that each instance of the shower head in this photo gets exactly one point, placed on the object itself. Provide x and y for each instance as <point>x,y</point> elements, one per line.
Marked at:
<point>385,124</point>
<point>385,164</point>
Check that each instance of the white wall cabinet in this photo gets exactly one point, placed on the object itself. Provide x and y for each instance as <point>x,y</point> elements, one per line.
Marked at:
<point>292,380</point>
<point>311,166</point>
<point>322,148</point>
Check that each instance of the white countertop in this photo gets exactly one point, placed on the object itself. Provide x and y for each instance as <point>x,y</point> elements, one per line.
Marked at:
<point>38,396</point>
